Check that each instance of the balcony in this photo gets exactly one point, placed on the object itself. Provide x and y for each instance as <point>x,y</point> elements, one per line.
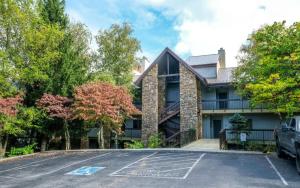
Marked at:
<point>230,106</point>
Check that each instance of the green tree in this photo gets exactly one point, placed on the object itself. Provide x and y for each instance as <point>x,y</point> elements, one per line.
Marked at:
<point>53,11</point>
<point>118,53</point>
<point>29,47</point>
<point>73,65</point>
<point>269,68</point>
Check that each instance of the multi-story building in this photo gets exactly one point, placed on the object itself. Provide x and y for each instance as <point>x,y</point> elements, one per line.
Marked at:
<point>198,93</point>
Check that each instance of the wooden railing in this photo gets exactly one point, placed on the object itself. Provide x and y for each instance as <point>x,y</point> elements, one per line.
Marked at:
<point>169,111</point>
<point>180,139</point>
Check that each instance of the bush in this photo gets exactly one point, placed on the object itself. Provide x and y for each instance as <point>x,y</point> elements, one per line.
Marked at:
<point>136,144</point>
<point>250,146</point>
<point>22,151</point>
<point>154,141</point>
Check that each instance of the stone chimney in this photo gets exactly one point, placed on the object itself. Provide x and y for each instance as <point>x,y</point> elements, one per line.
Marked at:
<point>221,53</point>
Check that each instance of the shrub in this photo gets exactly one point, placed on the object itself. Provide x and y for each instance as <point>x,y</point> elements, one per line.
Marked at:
<point>154,141</point>
<point>250,146</point>
<point>136,144</point>
<point>22,151</point>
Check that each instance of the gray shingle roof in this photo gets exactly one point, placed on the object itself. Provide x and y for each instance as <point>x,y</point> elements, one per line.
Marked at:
<point>203,59</point>
<point>224,76</point>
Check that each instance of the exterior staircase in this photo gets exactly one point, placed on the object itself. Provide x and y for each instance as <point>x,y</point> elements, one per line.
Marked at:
<point>169,112</point>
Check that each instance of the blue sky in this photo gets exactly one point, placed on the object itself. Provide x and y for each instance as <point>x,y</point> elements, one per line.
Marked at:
<point>189,27</point>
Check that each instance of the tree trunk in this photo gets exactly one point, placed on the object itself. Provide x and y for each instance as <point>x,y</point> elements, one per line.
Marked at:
<point>3,146</point>
<point>100,137</point>
<point>67,136</point>
<point>44,143</point>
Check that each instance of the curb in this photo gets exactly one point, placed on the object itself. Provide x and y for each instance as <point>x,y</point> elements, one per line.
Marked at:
<point>18,157</point>
<point>133,150</point>
<point>159,149</point>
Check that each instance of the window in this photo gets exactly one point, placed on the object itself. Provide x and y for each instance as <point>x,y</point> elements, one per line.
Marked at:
<point>293,124</point>
<point>249,123</point>
<point>137,124</point>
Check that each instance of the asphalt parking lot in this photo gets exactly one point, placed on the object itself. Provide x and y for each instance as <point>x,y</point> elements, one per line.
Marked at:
<point>159,169</point>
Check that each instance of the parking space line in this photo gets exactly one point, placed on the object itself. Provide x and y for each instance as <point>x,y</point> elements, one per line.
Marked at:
<point>165,156</point>
<point>174,169</point>
<point>170,161</point>
<point>190,170</point>
<point>113,174</point>
<point>155,177</point>
<point>173,159</point>
<point>277,172</point>
<point>28,165</point>
<point>160,166</point>
<point>9,177</point>
<point>68,165</point>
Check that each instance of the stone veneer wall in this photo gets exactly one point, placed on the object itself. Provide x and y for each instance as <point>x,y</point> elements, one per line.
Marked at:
<point>161,94</point>
<point>150,104</point>
<point>200,119</point>
<point>188,100</point>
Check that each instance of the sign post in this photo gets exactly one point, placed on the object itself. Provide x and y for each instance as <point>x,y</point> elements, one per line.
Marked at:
<point>243,138</point>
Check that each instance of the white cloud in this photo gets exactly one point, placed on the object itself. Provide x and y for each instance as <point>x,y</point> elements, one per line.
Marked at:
<point>205,26</point>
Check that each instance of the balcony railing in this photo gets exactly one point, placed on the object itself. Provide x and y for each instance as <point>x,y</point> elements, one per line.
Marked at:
<point>228,104</point>
<point>259,136</point>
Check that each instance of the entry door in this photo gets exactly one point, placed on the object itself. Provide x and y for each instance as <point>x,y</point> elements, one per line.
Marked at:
<point>222,97</point>
<point>217,125</point>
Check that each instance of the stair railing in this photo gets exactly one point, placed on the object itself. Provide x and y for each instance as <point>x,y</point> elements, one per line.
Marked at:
<point>173,107</point>
<point>180,138</point>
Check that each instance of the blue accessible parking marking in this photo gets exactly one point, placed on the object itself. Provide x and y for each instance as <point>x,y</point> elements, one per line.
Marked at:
<point>85,171</point>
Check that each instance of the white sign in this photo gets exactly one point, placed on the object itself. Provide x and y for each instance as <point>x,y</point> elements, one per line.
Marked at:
<point>243,137</point>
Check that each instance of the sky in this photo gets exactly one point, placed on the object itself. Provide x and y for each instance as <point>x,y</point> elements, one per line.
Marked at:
<point>188,27</point>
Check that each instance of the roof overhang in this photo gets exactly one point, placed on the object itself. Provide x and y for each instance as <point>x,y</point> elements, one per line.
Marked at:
<point>181,61</point>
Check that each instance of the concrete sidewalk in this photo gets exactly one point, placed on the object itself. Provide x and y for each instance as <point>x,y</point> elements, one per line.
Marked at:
<point>204,144</point>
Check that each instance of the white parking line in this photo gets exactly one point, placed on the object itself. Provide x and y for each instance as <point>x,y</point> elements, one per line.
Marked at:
<point>160,166</point>
<point>173,169</point>
<point>190,170</point>
<point>68,165</point>
<point>28,165</point>
<point>277,172</point>
<point>170,161</point>
<point>113,174</point>
<point>165,156</point>
<point>173,158</point>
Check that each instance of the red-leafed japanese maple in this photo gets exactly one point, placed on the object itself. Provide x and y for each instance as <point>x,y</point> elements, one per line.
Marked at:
<point>8,110</point>
<point>104,104</point>
<point>58,107</point>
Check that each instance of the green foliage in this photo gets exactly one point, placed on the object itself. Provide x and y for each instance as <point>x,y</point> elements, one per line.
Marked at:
<point>53,11</point>
<point>238,122</point>
<point>269,68</point>
<point>136,144</point>
<point>22,151</point>
<point>72,69</point>
<point>154,141</point>
<point>252,146</point>
<point>117,53</point>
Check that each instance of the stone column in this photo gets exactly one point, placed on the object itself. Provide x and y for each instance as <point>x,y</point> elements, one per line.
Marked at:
<point>150,104</point>
<point>188,100</point>
<point>161,94</point>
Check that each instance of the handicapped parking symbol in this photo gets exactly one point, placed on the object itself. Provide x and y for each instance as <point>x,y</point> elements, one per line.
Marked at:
<point>85,171</point>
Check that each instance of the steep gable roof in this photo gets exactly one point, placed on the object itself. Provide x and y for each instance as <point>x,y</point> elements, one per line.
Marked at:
<point>203,59</point>
<point>181,61</point>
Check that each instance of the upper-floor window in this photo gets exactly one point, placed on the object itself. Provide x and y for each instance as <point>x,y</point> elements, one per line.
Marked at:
<point>168,65</point>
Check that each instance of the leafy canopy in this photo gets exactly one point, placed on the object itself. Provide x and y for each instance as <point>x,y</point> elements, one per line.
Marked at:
<point>269,70</point>
<point>103,102</point>
<point>118,53</point>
